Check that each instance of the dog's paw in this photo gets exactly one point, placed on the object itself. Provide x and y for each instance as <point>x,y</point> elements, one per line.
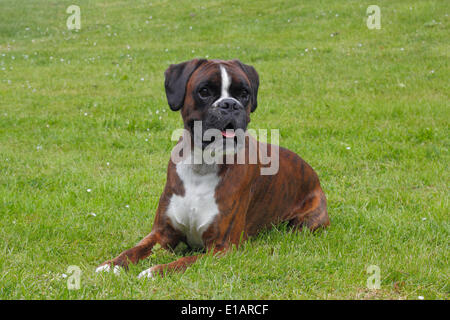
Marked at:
<point>149,274</point>
<point>103,268</point>
<point>107,268</point>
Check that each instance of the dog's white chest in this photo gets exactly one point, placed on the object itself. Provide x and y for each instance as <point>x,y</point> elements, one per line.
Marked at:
<point>194,212</point>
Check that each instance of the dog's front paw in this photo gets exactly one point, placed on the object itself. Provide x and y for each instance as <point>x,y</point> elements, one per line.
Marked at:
<point>148,273</point>
<point>106,267</point>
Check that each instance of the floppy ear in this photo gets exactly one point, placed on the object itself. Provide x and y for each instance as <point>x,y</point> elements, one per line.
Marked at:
<point>176,78</point>
<point>252,75</point>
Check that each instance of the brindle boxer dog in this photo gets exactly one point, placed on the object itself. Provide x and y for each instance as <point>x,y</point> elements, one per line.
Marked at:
<point>217,205</point>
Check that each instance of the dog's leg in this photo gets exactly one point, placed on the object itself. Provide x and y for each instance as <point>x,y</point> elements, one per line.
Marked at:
<point>218,241</point>
<point>179,265</point>
<point>142,250</point>
<point>312,213</point>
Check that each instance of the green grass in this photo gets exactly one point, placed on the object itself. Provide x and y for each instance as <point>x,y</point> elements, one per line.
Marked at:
<point>383,93</point>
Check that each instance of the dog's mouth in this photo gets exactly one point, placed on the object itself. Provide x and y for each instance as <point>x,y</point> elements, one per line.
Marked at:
<point>228,131</point>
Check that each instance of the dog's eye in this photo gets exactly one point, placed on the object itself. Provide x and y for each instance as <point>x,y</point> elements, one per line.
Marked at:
<point>244,94</point>
<point>204,93</point>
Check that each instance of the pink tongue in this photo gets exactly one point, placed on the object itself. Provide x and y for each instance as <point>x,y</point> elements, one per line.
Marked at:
<point>228,134</point>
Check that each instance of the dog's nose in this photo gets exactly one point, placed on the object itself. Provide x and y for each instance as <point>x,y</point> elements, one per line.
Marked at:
<point>229,104</point>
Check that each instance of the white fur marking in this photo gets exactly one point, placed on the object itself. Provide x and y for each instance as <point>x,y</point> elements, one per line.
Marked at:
<point>116,270</point>
<point>104,268</point>
<point>107,268</point>
<point>226,82</point>
<point>148,273</point>
<point>193,212</point>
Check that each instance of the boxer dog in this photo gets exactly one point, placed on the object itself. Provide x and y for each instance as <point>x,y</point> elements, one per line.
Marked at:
<point>220,204</point>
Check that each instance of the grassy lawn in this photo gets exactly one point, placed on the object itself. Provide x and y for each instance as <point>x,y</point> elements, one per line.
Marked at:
<point>85,140</point>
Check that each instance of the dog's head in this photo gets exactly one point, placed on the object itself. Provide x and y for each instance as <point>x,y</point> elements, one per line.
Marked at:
<point>219,94</point>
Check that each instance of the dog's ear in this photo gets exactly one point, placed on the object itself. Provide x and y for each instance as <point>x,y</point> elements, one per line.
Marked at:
<point>176,78</point>
<point>252,75</point>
